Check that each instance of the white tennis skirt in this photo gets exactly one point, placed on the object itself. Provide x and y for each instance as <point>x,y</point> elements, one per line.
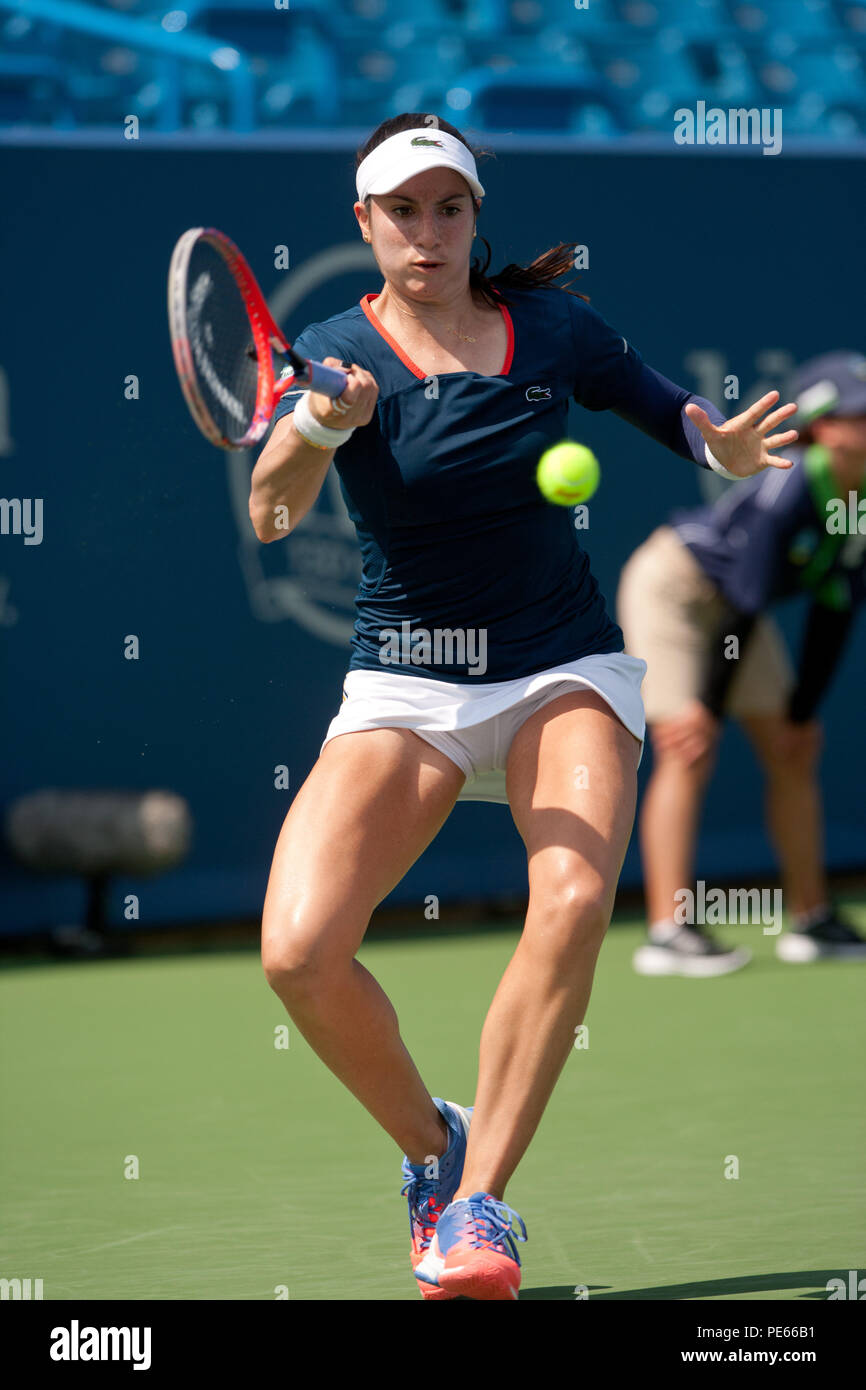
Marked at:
<point>474,724</point>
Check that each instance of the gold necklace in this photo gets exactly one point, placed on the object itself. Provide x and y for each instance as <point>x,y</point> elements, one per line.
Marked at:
<point>464,338</point>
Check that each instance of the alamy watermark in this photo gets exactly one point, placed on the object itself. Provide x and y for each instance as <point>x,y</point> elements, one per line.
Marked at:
<point>439,646</point>
<point>854,1289</point>
<point>715,907</point>
<point>846,517</point>
<point>77,1343</point>
<point>738,126</point>
<point>22,516</point>
<point>21,1289</point>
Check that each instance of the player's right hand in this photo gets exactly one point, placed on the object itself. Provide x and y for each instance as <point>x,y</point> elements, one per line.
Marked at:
<point>360,396</point>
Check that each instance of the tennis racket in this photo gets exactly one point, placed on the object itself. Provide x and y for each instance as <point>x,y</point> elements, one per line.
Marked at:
<point>224,340</point>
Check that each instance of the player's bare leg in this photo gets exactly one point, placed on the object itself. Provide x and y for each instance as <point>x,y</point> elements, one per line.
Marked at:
<point>370,806</point>
<point>576,829</point>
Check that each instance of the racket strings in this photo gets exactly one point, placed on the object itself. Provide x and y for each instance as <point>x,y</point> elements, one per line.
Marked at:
<point>223,356</point>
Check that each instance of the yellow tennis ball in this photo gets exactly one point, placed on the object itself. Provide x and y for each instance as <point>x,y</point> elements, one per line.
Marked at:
<point>568,473</point>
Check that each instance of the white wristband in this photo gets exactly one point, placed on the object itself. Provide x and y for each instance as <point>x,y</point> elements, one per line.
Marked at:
<point>310,429</point>
<point>718,467</point>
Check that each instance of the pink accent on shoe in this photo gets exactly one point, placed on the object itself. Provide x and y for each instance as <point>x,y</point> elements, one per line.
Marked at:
<point>482,1274</point>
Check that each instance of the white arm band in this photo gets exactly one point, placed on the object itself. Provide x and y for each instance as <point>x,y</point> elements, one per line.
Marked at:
<point>310,429</point>
<point>718,467</point>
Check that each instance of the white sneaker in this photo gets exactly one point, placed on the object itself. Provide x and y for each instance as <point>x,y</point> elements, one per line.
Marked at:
<point>689,952</point>
<point>828,939</point>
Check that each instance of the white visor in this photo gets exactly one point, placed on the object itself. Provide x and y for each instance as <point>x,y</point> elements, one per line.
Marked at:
<point>411,152</point>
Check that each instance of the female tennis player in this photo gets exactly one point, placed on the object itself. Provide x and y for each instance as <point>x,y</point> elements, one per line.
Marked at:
<point>709,576</point>
<point>483,665</point>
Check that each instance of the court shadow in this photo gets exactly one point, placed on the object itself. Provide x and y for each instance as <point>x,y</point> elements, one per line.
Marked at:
<point>707,1288</point>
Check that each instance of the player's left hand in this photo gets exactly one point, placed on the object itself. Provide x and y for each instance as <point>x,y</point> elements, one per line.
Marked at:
<point>743,444</point>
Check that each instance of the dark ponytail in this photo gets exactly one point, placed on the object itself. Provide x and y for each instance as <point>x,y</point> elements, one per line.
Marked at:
<point>543,271</point>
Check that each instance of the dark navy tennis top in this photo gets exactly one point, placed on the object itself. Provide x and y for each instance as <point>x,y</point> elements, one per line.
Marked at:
<point>440,485</point>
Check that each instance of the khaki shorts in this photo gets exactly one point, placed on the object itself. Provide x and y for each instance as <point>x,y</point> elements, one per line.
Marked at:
<point>668,610</point>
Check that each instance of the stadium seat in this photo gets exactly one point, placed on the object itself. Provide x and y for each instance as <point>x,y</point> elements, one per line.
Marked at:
<point>652,77</point>
<point>477,16</point>
<point>852,16</point>
<point>367,74</point>
<point>371,70</point>
<point>816,120</point>
<point>33,91</point>
<point>293,56</point>
<point>600,18</point>
<point>411,41</point>
<point>19,34</point>
<point>845,122</point>
<point>552,48</point>
<point>594,122</point>
<point>428,96</point>
<point>707,19</point>
<point>763,18</point>
<point>835,73</point>
<point>725,71</point>
<point>367,19</point>
<point>533,100</point>
<point>256,27</point>
<point>259,29</point>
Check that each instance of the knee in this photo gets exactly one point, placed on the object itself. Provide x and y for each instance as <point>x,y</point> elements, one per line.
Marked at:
<point>296,961</point>
<point>790,752</point>
<point>573,910</point>
<point>797,764</point>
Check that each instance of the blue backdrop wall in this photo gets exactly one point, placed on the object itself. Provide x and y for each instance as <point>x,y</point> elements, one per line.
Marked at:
<point>735,264</point>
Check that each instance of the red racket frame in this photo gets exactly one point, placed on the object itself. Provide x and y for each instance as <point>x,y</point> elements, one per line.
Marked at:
<point>266,336</point>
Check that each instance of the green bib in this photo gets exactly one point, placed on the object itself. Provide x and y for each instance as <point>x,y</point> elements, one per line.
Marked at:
<point>831,590</point>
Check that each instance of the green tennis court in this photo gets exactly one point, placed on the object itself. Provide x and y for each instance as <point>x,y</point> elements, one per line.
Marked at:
<point>258,1172</point>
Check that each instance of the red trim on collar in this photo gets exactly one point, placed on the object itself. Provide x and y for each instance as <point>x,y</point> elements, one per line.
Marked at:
<point>367,306</point>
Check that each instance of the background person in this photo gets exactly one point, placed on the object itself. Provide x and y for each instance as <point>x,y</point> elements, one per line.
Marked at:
<point>711,574</point>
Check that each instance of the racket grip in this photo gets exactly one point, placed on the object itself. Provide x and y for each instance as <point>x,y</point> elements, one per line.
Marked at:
<point>328,381</point>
